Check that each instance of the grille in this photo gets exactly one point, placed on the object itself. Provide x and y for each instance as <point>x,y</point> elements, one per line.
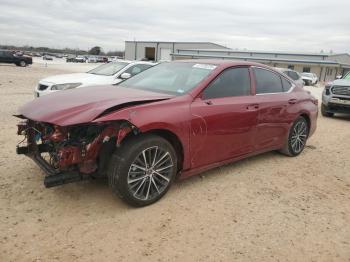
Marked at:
<point>42,87</point>
<point>341,90</point>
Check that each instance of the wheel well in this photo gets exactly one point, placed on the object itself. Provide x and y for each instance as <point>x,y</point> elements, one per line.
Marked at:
<point>174,141</point>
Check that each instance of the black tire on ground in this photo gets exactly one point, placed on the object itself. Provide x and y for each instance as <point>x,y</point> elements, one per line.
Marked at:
<point>141,187</point>
<point>297,137</point>
<point>324,111</point>
<point>22,63</point>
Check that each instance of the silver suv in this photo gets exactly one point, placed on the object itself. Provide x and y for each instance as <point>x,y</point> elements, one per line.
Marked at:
<point>336,97</point>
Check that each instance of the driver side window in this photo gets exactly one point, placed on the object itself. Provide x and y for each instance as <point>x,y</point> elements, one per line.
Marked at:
<point>231,82</point>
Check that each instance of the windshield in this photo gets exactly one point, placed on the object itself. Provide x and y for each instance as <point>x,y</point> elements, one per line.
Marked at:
<point>171,78</point>
<point>108,69</point>
<point>307,74</point>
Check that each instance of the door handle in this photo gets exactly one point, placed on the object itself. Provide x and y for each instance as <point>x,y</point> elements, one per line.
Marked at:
<point>253,107</point>
<point>208,102</point>
<point>292,101</point>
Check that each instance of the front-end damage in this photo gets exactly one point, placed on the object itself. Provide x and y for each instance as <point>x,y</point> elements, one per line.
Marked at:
<point>71,153</point>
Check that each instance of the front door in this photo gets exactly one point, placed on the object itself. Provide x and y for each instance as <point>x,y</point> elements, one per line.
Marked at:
<point>223,119</point>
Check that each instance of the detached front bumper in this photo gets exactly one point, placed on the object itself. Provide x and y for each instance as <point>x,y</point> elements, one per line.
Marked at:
<point>54,177</point>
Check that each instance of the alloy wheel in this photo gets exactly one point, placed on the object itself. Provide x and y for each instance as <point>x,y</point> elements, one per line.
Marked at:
<point>299,136</point>
<point>150,173</point>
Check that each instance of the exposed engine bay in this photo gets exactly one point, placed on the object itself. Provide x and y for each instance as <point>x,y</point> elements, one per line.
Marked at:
<point>71,153</point>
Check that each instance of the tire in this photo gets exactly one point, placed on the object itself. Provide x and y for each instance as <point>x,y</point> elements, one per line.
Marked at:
<point>297,137</point>
<point>22,63</point>
<point>132,173</point>
<point>324,111</point>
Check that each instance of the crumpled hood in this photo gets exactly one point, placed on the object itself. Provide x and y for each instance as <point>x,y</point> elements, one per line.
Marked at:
<point>83,78</point>
<point>78,106</point>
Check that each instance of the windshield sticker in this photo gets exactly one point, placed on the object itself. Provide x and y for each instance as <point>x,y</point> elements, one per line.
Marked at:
<point>204,66</point>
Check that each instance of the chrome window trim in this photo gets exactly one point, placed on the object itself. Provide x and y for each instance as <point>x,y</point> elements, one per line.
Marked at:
<point>274,72</point>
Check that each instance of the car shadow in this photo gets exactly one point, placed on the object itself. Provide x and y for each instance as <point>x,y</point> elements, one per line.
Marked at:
<point>228,169</point>
<point>8,65</point>
<point>98,191</point>
<point>344,117</point>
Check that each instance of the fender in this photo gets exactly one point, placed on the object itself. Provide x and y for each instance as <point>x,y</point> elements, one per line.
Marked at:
<point>172,116</point>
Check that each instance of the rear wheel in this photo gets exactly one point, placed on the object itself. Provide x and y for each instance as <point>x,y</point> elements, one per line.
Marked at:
<point>22,63</point>
<point>143,169</point>
<point>297,137</point>
<point>324,111</point>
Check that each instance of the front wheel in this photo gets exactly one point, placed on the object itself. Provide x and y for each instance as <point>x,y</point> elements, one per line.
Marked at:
<point>143,169</point>
<point>297,137</point>
<point>22,63</point>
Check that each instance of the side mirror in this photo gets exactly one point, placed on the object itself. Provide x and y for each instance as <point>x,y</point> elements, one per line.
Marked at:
<point>338,77</point>
<point>125,76</point>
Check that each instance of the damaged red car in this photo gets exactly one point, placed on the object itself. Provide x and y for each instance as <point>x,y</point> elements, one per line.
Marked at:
<point>173,120</point>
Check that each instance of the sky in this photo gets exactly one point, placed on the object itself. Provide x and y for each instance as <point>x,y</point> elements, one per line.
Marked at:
<point>269,25</point>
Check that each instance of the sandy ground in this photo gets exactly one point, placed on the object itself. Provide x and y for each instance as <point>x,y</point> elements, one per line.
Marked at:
<point>266,208</point>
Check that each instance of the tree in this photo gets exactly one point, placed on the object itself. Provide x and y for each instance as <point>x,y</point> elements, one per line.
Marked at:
<point>96,50</point>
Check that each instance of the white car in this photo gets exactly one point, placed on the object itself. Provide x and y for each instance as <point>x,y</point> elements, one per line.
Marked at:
<point>92,59</point>
<point>309,78</point>
<point>292,74</point>
<point>106,74</point>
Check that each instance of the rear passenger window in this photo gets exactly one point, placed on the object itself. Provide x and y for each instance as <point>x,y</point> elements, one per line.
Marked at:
<point>267,81</point>
<point>286,84</point>
<point>232,82</point>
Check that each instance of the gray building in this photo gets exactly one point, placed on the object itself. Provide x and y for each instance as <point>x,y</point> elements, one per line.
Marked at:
<point>161,51</point>
<point>325,66</point>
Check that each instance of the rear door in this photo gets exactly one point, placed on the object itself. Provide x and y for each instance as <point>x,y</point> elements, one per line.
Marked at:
<point>275,100</point>
<point>223,119</point>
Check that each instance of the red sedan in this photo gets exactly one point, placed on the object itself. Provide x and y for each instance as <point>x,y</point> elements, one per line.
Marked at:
<point>175,119</point>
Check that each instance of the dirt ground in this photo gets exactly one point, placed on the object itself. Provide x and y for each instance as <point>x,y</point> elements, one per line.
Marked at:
<point>266,208</point>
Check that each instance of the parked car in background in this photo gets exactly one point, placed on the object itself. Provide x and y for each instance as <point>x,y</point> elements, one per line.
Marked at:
<point>70,59</point>
<point>309,79</point>
<point>294,75</point>
<point>80,59</point>
<point>101,59</point>
<point>10,57</point>
<point>336,97</point>
<point>92,59</point>
<point>178,118</point>
<point>112,58</point>
<point>106,74</point>
<point>47,57</point>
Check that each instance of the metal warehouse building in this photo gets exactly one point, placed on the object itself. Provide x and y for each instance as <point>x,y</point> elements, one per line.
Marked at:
<point>326,66</point>
<point>161,51</point>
